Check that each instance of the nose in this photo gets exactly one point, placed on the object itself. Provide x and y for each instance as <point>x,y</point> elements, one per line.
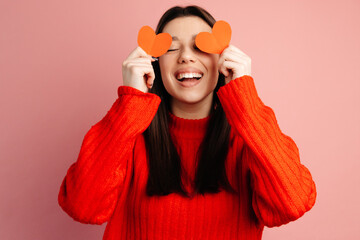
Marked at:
<point>186,55</point>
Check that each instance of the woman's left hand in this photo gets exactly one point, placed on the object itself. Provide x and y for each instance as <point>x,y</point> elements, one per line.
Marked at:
<point>234,63</point>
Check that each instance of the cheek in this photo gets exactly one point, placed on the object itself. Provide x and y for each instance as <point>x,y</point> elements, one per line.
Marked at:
<point>212,63</point>
<point>165,65</point>
<point>213,71</point>
<point>165,73</point>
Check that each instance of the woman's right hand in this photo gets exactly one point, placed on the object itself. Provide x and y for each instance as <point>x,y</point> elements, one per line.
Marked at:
<point>137,70</point>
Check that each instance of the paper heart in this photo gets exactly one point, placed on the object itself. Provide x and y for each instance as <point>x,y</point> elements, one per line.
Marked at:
<point>152,44</point>
<point>216,41</point>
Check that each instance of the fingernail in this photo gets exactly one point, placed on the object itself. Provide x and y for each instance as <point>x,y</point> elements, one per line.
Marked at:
<point>155,59</point>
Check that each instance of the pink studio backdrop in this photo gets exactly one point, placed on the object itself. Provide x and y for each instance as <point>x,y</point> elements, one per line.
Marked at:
<point>60,66</point>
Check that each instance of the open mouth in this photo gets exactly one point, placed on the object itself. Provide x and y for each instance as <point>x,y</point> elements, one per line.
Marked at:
<point>189,76</point>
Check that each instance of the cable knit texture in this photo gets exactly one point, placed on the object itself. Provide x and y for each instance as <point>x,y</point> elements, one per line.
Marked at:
<point>107,182</point>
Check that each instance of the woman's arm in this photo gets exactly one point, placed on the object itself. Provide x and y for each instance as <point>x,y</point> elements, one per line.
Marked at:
<point>92,185</point>
<point>283,188</point>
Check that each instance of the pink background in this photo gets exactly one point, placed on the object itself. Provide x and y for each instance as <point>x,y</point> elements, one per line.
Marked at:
<point>60,66</point>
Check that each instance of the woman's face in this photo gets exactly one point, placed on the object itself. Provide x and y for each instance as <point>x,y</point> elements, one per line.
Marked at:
<point>184,60</point>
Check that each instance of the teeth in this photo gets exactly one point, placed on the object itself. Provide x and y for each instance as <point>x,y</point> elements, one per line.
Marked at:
<point>188,75</point>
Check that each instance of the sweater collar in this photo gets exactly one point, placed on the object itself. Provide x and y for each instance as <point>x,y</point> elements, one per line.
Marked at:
<point>188,128</point>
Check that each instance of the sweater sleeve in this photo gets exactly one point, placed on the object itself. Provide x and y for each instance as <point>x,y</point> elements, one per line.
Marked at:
<point>283,188</point>
<point>92,185</point>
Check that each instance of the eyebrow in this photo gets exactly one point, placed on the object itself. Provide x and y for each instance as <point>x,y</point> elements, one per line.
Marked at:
<point>174,38</point>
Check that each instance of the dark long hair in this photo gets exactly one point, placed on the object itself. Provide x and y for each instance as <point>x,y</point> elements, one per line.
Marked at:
<point>163,159</point>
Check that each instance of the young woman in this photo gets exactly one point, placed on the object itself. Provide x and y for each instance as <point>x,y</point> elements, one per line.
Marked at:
<point>188,150</point>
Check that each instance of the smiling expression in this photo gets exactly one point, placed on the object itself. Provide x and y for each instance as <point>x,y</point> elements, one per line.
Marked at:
<point>184,59</point>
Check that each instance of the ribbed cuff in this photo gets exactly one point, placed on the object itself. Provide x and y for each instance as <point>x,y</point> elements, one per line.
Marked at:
<point>242,92</point>
<point>124,90</point>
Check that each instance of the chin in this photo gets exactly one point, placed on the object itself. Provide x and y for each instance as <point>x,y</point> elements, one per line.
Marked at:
<point>191,98</point>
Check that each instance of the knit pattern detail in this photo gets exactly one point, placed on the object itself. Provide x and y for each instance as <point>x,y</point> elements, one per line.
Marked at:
<point>93,183</point>
<point>283,189</point>
<point>107,182</point>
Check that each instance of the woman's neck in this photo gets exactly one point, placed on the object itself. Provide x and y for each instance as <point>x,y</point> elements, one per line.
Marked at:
<point>197,110</point>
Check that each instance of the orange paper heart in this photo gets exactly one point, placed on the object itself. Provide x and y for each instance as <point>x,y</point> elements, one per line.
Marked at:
<point>216,41</point>
<point>152,44</point>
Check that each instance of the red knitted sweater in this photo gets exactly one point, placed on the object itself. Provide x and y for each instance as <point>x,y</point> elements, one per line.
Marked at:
<point>107,182</point>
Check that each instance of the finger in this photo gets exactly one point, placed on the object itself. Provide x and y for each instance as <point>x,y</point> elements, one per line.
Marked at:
<point>235,58</point>
<point>150,78</point>
<point>222,69</point>
<point>138,66</point>
<point>235,49</point>
<point>145,71</point>
<point>232,56</point>
<point>237,69</point>
<point>137,62</point>
<point>138,53</point>
<point>227,58</point>
<point>141,60</point>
